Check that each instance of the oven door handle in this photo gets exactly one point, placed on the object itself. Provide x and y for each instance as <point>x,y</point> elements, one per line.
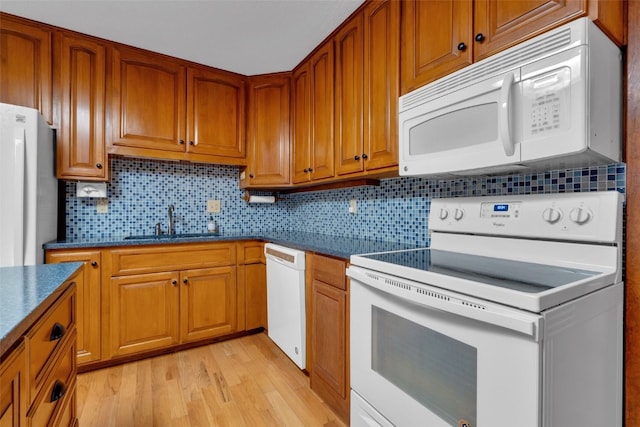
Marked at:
<point>529,324</point>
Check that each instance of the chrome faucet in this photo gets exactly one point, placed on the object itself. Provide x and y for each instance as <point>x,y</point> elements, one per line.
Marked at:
<point>172,226</point>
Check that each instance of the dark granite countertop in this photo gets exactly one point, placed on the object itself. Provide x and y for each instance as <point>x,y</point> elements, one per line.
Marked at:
<point>341,247</point>
<point>25,293</point>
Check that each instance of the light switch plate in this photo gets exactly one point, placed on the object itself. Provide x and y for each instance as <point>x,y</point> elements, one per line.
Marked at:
<point>213,206</point>
<point>353,206</point>
<point>102,206</point>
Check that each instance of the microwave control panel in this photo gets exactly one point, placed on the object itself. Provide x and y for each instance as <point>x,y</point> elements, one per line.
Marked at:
<point>547,100</point>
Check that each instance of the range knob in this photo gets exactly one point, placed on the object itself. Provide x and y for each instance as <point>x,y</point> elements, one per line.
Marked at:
<point>444,213</point>
<point>552,215</point>
<point>458,214</point>
<point>580,215</point>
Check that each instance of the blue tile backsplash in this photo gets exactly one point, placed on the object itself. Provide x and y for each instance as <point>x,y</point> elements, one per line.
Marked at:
<point>140,192</point>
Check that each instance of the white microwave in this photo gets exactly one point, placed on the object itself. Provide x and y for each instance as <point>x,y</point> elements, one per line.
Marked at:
<point>551,102</point>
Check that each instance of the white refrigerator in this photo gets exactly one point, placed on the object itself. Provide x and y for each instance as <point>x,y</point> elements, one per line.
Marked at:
<point>28,186</point>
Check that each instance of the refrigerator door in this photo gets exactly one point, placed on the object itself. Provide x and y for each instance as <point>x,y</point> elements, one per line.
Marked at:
<point>28,186</point>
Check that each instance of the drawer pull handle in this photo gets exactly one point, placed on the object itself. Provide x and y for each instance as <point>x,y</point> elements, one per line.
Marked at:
<point>58,391</point>
<point>57,332</point>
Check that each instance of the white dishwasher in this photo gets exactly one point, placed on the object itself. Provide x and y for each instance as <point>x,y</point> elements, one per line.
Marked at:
<point>286,300</point>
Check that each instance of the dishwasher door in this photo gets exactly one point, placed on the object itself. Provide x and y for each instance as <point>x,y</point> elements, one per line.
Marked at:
<point>286,300</point>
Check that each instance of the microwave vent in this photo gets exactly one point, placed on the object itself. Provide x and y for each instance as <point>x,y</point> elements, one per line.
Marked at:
<point>535,49</point>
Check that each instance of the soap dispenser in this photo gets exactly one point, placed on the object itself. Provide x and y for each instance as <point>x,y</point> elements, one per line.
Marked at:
<point>212,227</point>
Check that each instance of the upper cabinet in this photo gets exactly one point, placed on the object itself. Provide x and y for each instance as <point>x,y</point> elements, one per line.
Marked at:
<point>80,68</point>
<point>25,64</point>
<point>312,121</point>
<point>165,109</point>
<point>442,36</point>
<point>349,89</point>
<point>268,132</point>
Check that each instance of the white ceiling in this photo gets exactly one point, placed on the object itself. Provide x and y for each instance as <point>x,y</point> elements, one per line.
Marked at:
<point>245,36</point>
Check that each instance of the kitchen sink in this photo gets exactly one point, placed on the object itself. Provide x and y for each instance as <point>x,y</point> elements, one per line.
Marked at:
<point>170,236</point>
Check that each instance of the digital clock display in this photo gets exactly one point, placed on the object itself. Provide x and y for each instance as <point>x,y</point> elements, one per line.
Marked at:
<point>501,208</point>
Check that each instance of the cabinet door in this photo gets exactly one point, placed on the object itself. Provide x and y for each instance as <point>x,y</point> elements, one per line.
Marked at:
<point>215,113</point>
<point>143,312</point>
<point>13,394</point>
<point>88,301</point>
<point>207,303</point>
<point>322,143</point>
<point>381,91</point>
<point>349,95</point>
<point>25,74</point>
<point>148,109</point>
<point>505,23</point>
<point>330,343</point>
<point>80,92</point>
<point>432,33</point>
<point>301,124</point>
<point>255,277</point>
<point>268,131</point>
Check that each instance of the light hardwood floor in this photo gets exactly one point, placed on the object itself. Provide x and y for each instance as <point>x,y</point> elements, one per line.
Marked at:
<point>247,381</point>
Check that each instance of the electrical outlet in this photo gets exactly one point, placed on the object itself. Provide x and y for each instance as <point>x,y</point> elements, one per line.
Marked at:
<point>353,206</point>
<point>102,206</point>
<point>213,206</point>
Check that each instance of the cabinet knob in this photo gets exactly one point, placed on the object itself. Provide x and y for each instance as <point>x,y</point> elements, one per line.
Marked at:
<point>479,37</point>
<point>310,169</point>
<point>99,165</point>
<point>461,46</point>
<point>181,142</point>
<point>58,390</point>
<point>191,143</point>
<point>174,282</point>
<point>57,332</point>
<point>94,263</point>
<point>364,156</point>
<point>185,281</point>
<point>356,157</point>
<point>306,170</point>
<point>250,175</point>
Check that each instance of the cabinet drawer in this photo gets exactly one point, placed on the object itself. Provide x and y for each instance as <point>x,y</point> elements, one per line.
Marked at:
<point>58,383</point>
<point>50,333</point>
<point>331,271</point>
<point>170,258</point>
<point>251,253</point>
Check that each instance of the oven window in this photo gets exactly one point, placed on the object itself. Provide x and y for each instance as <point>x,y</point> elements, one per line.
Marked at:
<point>437,371</point>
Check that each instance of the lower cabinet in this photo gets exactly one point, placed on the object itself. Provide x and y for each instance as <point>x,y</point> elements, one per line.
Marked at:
<point>88,298</point>
<point>252,286</point>
<point>330,332</point>
<point>13,389</point>
<point>157,310</point>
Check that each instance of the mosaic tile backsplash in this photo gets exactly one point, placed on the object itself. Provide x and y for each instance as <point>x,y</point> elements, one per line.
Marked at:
<point>140,192</point>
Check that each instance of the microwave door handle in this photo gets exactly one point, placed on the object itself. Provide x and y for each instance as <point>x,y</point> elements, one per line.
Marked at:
<point>505,129</point>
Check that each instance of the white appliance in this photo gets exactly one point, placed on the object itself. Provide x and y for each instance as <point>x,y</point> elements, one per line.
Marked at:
<point>286,301</point>
<point>29,188</point>
<point>512,317</point>
<point>551,102</point>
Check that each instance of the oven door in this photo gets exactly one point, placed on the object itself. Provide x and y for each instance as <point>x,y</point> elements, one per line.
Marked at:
<point>441,359</point>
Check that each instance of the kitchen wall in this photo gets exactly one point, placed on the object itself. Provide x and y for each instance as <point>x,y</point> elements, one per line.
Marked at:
<point>140,192</point>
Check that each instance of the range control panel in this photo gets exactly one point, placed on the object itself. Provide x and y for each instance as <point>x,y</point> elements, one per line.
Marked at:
<point>594,216</point>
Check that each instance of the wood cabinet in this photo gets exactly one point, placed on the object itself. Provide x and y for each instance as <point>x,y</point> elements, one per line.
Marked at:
<point>268,132</point>
<point>439,37</point>
<point>349,87</point>
<point>215,113</point>
<point>13,392</point>
<point>161,296</point>
<point>252,282</point>
<point>88,301</point>
<point>381,89</point>
<point>164,108</point>
<point>25,58</point>
<point>80,70</point>
<point>313,122</point>
<point>330,332</point>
